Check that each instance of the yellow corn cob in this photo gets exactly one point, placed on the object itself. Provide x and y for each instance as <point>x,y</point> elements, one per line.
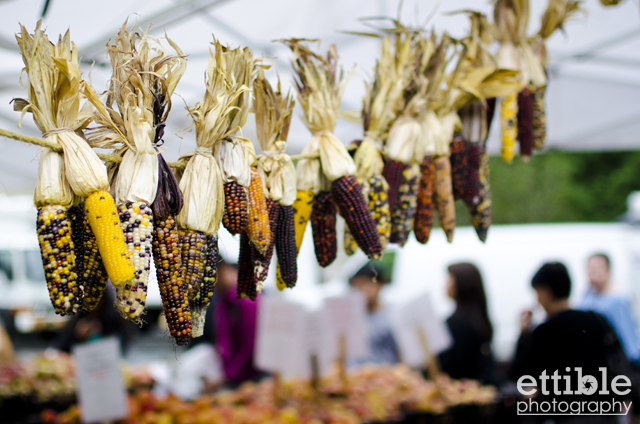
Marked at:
<point>258,228</point>
<point>103,217</point>
<point>509,120</point>
<point>302,206</point>
<point>58,258</point>
<point>136,221</point>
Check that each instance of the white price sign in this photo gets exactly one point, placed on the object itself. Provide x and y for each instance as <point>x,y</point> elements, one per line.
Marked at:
<point>414,324</point>
<point>101,391</point>
<point>347,317</point>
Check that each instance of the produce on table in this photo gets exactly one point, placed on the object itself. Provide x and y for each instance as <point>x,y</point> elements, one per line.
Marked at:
<point>375,394</point>
<point>320,86</point>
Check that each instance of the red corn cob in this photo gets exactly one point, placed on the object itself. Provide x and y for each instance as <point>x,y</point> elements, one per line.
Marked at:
<point>246,283</point>
<point>235,208</point>
<point>459,166</point>
<point>286,246</point>
<point>474,153</point>
<point>323,226</point>
<point>354,208</point>
<point>392,172</point>
<point>525,123</point>
<point>424,209</point>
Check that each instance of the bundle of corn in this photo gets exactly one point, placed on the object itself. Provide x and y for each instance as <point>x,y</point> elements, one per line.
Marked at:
<point>405,147</point>
<point>511,19</point>
<point>134,181</point>
<point>273,112</point>
<point>431,130</point>
<point>55,92</point>
<point>378,112</point>
<point>235,155</point>
<point>201,182</point>
<point>556,14</point>
<point>320,87</point>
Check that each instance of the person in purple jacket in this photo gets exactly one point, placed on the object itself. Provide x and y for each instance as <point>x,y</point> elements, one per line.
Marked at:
<point>234,322</point>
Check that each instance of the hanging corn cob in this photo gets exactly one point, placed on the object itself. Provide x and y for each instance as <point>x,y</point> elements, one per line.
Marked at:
<point>481,213</point>
<point>557,13</point>
<point>246,282</point>
<point>201,184</point>
<point>320,86</point>
<point>323,225</point>
<point>525,123</point>
<point>424,208</point>
<point>443,189</point>
<point>273,112</point>
<point>53,195</point>
<point>258,228</point>
<point>459,166</point>
<point>402,217</point>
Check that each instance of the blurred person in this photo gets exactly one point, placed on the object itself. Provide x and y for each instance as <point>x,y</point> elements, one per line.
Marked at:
<point>470,355</point>
<point>234,327</point>
<point>568,339</point>
<point>615,307</point>
<point>369,280</point>
<point>103,321</point>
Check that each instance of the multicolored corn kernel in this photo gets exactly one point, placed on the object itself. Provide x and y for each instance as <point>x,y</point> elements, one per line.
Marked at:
<point>379,206</point>
<point>262,262</point>
<point>103,218</point>
<point>403,216</point>
<point>258,228</point>
<point>350,244</point>
<point>539,117</point>
<point>509,121</point>
<point>286,247</point>
<point>525,122</point>
<point>354,208</point>
<point>193,258</point>
<point>136,220</point>
<point>323,226</point>
<point>392,173</point>
<point>235,214</point>
<point>474,153</point>
<point>459,166</point>
<point>173,292</point>
<point>246,288</point>
<point>302,206</point>
<point>443,196</point>
<point>58,259</point>
<point>481,214</point>
<point>424,209</point>
<point>89,267</point>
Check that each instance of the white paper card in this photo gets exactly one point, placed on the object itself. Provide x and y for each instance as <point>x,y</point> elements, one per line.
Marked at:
<point>347,315</point>
<point>317,337</point>
<point>413,317</point>
<point>281,341</point>
<point>197,365</point>
<point>101,391</point>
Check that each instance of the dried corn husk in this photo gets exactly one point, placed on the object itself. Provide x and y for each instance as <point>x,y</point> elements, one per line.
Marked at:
<point>214,119</point>
<point>55,92</point>
<point>320,85</point>
<point>273,113</point>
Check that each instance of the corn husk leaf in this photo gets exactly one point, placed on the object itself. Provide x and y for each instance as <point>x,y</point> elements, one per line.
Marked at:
<point>320,85</point>
<point>56,89</point>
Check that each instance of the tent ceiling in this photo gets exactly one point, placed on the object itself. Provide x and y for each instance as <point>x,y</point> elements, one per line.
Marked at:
<point>594,69</point>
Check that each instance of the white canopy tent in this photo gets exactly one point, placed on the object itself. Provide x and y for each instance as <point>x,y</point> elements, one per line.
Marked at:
<point>592,99</point>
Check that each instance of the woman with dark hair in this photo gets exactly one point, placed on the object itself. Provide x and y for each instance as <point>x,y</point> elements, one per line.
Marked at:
<point>471,330</point>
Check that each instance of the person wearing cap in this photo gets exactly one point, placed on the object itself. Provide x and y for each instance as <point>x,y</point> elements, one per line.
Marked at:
<point>370,280</point>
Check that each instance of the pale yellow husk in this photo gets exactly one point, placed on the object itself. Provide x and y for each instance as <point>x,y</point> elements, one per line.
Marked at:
<point>273,112</point>
<point>320,85</point>
<point>56,89</point>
